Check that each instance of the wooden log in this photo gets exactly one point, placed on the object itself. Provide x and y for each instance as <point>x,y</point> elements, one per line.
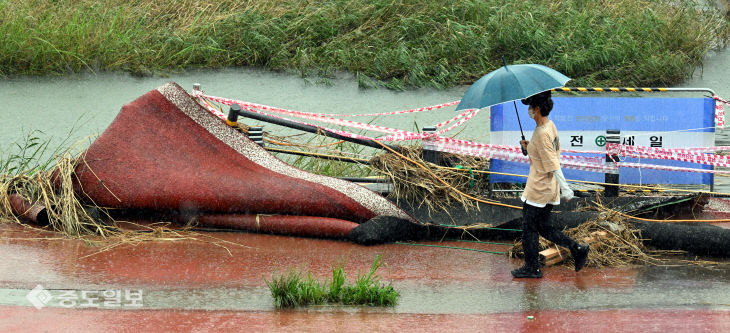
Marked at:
<point>557,254</point>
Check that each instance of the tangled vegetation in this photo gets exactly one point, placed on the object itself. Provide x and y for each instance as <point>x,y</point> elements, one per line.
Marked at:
<point>395,43</point>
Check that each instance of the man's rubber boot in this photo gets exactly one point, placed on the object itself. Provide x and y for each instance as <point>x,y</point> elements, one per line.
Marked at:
<point>527,272</point>
<point>580,254</point>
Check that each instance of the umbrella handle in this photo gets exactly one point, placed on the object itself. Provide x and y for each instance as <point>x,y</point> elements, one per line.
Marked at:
<point>524,151</point>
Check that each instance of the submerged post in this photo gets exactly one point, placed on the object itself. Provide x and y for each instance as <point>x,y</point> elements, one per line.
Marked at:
<point>430,154</point>
<point>612,136</point>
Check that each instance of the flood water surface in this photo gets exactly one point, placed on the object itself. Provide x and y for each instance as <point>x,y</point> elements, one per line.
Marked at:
<point>75,109</point>
<point>219,284</point>
<point>80,106</point>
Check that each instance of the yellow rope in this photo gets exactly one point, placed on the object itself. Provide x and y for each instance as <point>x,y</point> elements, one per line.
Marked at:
<point>594,183</point>
<point>280,143</point>
<point>299,152</point>
<point>665,221</point>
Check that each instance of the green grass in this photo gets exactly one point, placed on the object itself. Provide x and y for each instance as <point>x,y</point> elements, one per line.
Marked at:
<point>394,43</point>
<point>292,289</point>
<point>332,168</point>
<point>32,153</point>
<point>26,169</point>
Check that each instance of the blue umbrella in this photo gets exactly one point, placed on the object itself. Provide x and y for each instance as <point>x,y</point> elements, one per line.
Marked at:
<point>510,83</point>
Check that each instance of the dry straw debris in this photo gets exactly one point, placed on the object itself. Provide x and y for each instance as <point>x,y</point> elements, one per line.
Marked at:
<point>415,183</point>
<point>69,216</point>
<point>66,214</point>
<point>622,245</point>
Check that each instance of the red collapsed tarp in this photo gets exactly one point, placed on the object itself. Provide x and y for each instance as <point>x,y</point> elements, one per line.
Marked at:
<point>163,151</point>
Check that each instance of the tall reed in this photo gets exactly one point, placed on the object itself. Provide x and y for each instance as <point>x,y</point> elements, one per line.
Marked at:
<point>395,43</point>
<point>42,174</point>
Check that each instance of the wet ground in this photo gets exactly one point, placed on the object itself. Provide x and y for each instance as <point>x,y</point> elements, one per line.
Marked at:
<point>216,281</point>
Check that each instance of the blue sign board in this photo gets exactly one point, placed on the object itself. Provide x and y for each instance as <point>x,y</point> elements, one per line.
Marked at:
<point>582,123</point>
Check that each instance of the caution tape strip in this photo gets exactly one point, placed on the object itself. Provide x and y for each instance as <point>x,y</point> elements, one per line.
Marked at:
<point>396,134</point>
<point>229,101</point>
<point>719,112</point>
<point>628,191</point>
<point>680,154</point>
<point>509,153</point>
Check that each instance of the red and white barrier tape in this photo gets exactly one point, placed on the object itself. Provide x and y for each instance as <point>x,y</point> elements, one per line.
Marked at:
<point>715,160</point>
<point>613,148</point>
<point>719,111</point>
<point>343,133</point>
<point>511,157</point>
<point>396,134</point>
<point>483,150</point>
<point>670,168</point>
<point>502,152</point>
<point>680,154</point>
<point>428,136</point>
<point>229,101</point>
<point>211,109</point>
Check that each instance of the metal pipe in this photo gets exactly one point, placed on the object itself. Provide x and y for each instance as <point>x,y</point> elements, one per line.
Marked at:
<point>33,212</point>
<point>307,128</point>
<point>327,157</point>
<point>365,180</point>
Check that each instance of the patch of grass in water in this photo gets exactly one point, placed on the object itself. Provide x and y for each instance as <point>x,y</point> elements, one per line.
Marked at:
<point>292,289</point>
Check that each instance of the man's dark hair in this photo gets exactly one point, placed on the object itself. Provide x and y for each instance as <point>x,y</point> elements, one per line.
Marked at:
<point>542,100</point>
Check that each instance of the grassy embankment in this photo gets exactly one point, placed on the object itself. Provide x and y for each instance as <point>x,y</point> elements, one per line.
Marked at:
<point>392,42</point>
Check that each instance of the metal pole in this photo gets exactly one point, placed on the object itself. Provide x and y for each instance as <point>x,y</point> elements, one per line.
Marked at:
<point>612,136</point>
<point>430,154</point>
<point>365,180</point>
<point>305,128</point>
<point>322,156</point>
